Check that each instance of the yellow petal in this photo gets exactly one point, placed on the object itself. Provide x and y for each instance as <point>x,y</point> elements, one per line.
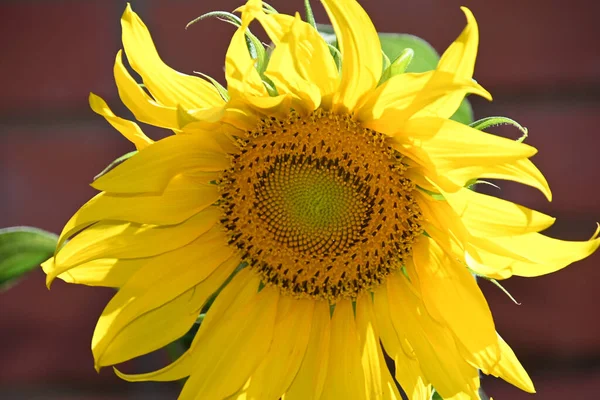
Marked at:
<point>484,263</point>
<point>182,198</point>
<point>458,59</point>
<point>143,107</point>
<point>237,294</point>
<point>361,52</point>
<point>378,380</point>
<point>448,230</point>
<point>522,171</point>
<point>408,371</point>
<point>290,339</point>
<point>433,345</point>
<point>167,86</point>
<point>345,376</point>
<point>242,77</point>
<point>128,240</point>
<point>127,128</point>
<point>284,65</point>
<point>482,255</point>
<point>490,216</point>
<point>301,63</point>
<point>452,297</point>
<point>510,369</point>
<point>172,319</point>
<point>310,379</point>
<point>278,106</point>
<point>109,272</point>
<point>151,170</point>
<point>246,331</point>
<point>239,115</point>
<point>443,145</point>
<point>403,96</point>
<point>161,280</point>
<point>546,254</point>
<point>464,396</point>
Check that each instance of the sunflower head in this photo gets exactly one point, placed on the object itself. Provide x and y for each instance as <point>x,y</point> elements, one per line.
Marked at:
<point>317,212</point>
<point>320,206</point>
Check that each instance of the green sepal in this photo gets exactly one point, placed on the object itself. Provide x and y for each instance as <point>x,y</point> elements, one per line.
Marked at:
<point>489,122</point>
<point>471,184</point>
<point>436,396</point>
<point>255,46</point>
<point>270,86</point>
<point>425,57</point>
<point>220,88</point>
<point>399,65</point>
<point>434,195</point>
<point>116,162</point>
<point>498,285</point>
<point>269,9</point>
<point>310,17</point>
<point>337,56</point>
<point>328,35</point>
<point>23,249</point>
<point>386,63</point>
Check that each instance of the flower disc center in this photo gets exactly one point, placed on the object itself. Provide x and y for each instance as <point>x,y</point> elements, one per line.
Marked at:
<point>320,206</point>
<point>311,207</point>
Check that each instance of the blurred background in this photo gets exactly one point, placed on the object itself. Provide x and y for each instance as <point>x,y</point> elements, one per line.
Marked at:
<point>539,58</point>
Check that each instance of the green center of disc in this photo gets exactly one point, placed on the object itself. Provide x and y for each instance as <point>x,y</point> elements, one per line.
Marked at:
<point>315,200</point>
<point>312,205</point>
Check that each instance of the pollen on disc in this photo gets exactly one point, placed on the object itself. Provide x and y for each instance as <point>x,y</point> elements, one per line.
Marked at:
<point>320,206</point>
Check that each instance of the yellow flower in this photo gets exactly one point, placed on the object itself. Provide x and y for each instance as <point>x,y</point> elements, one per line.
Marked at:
<point>327,213</point>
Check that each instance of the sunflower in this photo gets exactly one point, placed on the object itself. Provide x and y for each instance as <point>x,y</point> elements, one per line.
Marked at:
<point>323,213</point>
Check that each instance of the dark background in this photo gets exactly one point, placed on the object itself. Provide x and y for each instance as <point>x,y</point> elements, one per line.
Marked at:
<point>539,58</point>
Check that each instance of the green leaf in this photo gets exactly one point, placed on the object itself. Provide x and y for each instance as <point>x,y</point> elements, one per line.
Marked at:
<point>23,249</point>
<point>115,163</point>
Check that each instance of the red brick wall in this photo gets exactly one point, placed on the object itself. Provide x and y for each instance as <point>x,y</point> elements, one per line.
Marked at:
<point>539,58</point>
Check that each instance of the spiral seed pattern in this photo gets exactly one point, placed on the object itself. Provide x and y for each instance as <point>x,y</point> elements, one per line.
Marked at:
<point>320,206</point>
